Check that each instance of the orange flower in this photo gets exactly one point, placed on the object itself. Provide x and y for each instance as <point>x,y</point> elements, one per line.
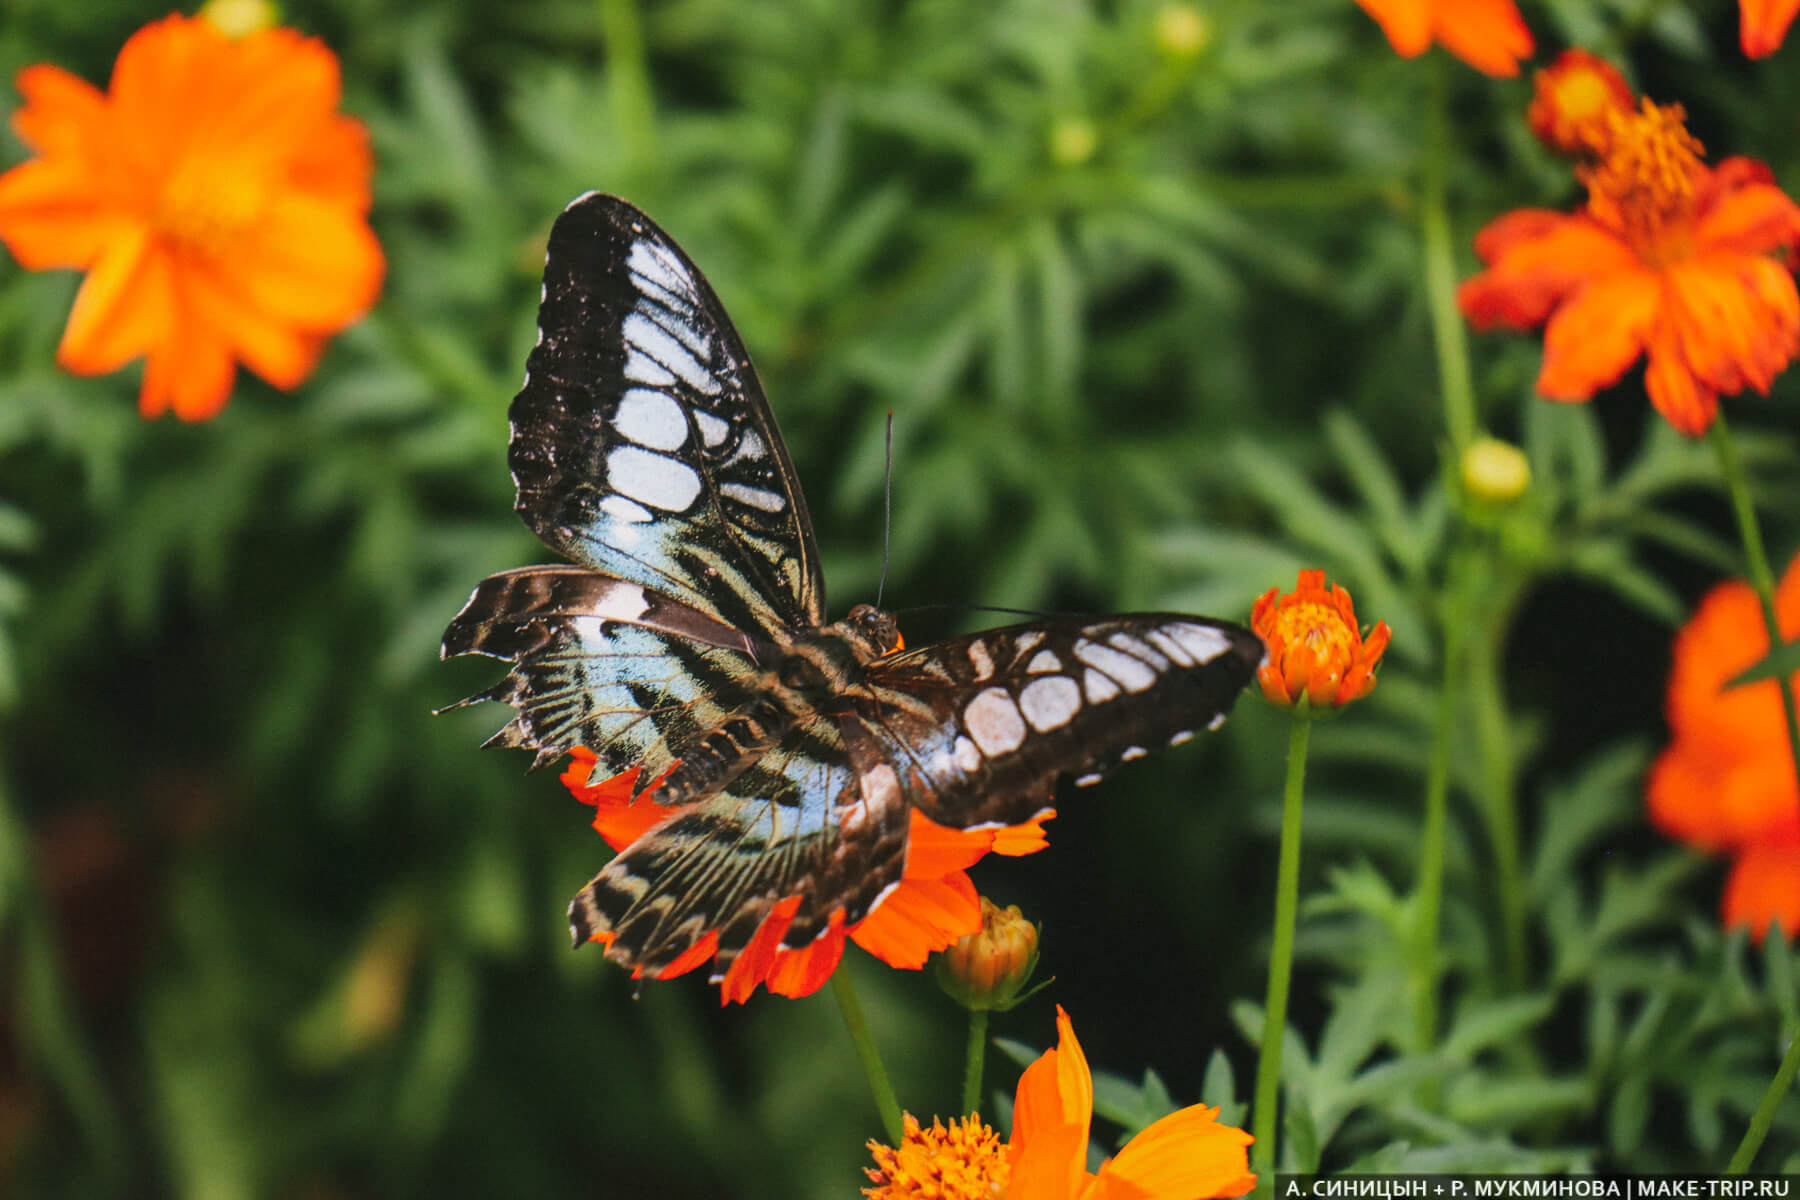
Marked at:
<point>1317,655</point>
<point>1489,35</point>
<point>1763,23</point>
<point>934,905</point>
<point>216,199</point>
<point>1185,1156</point>
<point>1574,101</point>
<point>1669,259</point>
<point>1726,781</point>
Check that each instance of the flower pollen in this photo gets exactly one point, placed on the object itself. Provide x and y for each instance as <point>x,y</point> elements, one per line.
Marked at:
<point>960,1161</point>
<point>1317,655</point>
<point>1648,179</point>
<point>1573,102</point>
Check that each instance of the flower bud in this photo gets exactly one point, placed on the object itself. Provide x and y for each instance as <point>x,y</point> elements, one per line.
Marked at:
<point>987,968</point>
<point>1494,471</point>
<point>1181,31</point>
<point>240,18</point>
<point>1073,141</point>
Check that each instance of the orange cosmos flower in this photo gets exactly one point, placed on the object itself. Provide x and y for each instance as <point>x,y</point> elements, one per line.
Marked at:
<point>1185,1156</point>
<point>1317,654</point>
<point>1763,23</point>
<point>215,197</point>
<point>934,905</point>
<point>1575,101</point>
<point>1726,781</point>
<point>1669,259</point>
<point>1489,35</point>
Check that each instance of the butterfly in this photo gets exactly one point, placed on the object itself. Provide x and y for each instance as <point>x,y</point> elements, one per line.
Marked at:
<point>689,638</point>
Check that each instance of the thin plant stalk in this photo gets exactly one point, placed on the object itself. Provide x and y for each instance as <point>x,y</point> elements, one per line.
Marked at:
<point>868,1054</point>
<point>1281,953</point>
<point>1765,1111</point>
<point>974,1060</point>
<point>1455,381</point>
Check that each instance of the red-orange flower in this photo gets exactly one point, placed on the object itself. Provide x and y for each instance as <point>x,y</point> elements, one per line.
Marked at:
<point>1489,35</point>
<point>934,905</point>
<point>1669,259</point>
<point>1316,651</point>
<point>1574,102</point>
<point>1185,1156</point>
<point>1763,23</point>
<point>215,197</point>
<point>1726,781</point>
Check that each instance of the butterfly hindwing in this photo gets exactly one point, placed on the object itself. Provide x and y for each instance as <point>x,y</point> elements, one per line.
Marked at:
<point>642,445</point>
<point>981,726</point>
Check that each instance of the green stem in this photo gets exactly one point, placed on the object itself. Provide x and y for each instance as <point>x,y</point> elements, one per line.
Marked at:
<point>1499,799</point>
<point>1454,378</point>
<point>1765,1111</point>
<point>1281,954</point>
<point>1424,966</point>
<point>972,1063</point>
<point>868,1054</point>
<point>628,83</point>
<point>1761,577</point>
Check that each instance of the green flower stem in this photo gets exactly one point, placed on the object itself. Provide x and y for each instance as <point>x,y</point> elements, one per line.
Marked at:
<point>1499,792</point>
<point>628,83</point>
<point>1423,970</point>
<point>868,1054</point>
<point>1454,378</point>
<point>972,1064</point>
<point>1765,1111</point>
<point>1761,577</point>
<point>1281,954</point>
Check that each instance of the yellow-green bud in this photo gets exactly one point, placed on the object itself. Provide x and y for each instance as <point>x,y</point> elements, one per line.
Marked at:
<point>987,968</point>
<point>1073,141</point>
<point>1181,30</point>
<point>1495,471</point>
<point>237,18</point>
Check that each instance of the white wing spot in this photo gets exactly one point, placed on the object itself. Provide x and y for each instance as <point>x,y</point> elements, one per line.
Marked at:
<point>1027,640</point>
<point>880,791</point>
<point>1216,722</point>
<point>1131,673</point>
<point>1088,780</point>
<point>625,510</point>
<point>658,268</point>
<point>642,333</point>
<point>993,720</point>
<point>1044,661</point>
<point>712,430</point>
<point>1185,735</point>
<point>1099,688</point>
<point>1132,753</point>
<point>1131,645</point>
<point>981,660</point>
<point>1203,642</point>
<point>967,756</point>
<point>1050,702</point>
<point>771,502</point>
<point>1169,646</point>
<point>641,368</point>
<point>655,480</point>
<point>651,418</point>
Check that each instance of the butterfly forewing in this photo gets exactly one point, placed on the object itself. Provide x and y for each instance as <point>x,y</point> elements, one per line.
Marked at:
<point>981,726</point>
<point>642,445</point>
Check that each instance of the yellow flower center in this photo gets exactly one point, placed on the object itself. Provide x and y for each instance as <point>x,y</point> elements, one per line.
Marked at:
<point>1582,96</point>
<point>1645,182</point>
<point>1321,628</point>
<point>207,202</point>
<point>964,1161</point>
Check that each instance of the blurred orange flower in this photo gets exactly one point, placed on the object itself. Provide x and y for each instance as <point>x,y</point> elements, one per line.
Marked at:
<point>1669,259</point>
<point>1726,781</point>
<point>1489,35</point>
<point>1185,1156</point>
<point>934,906</point>
<point>1763,23</point>
<point>1316,651</point>
<point>215,197</point>
<point>1574,101</point>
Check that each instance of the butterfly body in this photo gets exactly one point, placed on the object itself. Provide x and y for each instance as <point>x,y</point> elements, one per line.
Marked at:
<point>689,639</point>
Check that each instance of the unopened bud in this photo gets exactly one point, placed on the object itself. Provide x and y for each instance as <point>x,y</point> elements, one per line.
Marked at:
<point>1495,471</point>
<point>987,968</point>
<point>1181,30</point>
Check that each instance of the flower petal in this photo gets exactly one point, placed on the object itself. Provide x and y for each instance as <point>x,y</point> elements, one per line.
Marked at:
<point>1489,35</point>
<point>1763,23</point>
<point>51,215</point>
<point>309,262</point>
<point>189,370</point>
<point>1052,1110</point>
<point>1184,1156</point>
<point>1763,888</point>
<point>125,306</point>
<point>1537,259</point>
<point>919,918</point>
<point>804,971</point>
<point>1598,334</point>
<point>1407,24</point>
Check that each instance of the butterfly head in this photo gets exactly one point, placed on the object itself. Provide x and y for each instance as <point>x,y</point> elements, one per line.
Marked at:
<point>878,631</point>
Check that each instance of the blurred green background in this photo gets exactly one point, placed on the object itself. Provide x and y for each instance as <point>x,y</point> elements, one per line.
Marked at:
<point>1150,319</point>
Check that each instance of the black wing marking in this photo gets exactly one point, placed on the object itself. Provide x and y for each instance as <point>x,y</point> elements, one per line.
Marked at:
<point>981,726</point>
<point>801,822</point>
<point>642,445</point>
<point>604,663</point>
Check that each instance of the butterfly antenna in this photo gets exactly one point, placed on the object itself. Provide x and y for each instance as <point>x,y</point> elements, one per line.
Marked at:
<point>887,507</point>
